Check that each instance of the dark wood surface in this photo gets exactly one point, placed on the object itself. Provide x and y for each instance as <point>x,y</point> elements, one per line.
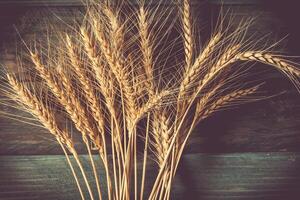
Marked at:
<point>271,125</point>
<point>240,176</point>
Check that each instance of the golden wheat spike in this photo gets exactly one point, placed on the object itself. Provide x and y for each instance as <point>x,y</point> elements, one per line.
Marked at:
<point>115,60</point>
<point>161,132</point>
<point>104,75</point>
<point>38,110</point>
<point>147,49</point>
<point>224,61</point>
<point>223,101</point>
<point>77,112</point>
<point>187,33</point>
<point>269,59</point>
<point>91,97</point>
<point>70,103</point>
<point>152,103</point>
<point>193,72</point>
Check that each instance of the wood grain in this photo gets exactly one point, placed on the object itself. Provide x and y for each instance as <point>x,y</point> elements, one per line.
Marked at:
<point>271,125</point>
<point>255,176</point>
<point>80,2</point>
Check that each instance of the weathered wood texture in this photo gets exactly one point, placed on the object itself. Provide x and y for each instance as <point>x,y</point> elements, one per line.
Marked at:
<point>246,176</point>
<point>271,125</point>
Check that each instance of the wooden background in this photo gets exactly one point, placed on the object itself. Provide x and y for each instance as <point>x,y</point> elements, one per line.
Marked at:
<point>246,153</point>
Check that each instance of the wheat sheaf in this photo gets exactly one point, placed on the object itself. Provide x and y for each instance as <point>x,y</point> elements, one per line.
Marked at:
<point>135,81</point>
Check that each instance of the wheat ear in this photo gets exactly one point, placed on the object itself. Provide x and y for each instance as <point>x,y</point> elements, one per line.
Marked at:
<point>146,48</point>
<point>161,132</point>
<point>46,117</point>
<point>74,111</point>
<point>269,59</point>
<point>37,109</point>
<point>151,104</point>
<point>224,61</point>
<point>88,89</point>
<point>72,105</point>
<point>192,74</point>
<point>221,102</point>
<point>104,76</point>
<point>118,66</point>
<point>187,33</point>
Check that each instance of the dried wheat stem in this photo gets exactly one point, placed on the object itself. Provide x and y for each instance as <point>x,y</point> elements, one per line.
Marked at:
<point>145,157</point>
<point>114,160</point>
<point>76,157</point>
<point>73,171</point>
<point>135,165</point>
<point>94,170</point>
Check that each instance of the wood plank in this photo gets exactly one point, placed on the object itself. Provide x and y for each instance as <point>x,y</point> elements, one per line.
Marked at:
<point>255,176</point>
<point>80,2</point>
<point>272,125</point>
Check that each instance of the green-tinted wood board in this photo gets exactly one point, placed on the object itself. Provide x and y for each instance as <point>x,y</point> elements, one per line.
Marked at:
<point>239,176</point>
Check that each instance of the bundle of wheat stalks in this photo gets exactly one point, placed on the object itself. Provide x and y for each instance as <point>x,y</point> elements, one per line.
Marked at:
<point>134,93</point>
